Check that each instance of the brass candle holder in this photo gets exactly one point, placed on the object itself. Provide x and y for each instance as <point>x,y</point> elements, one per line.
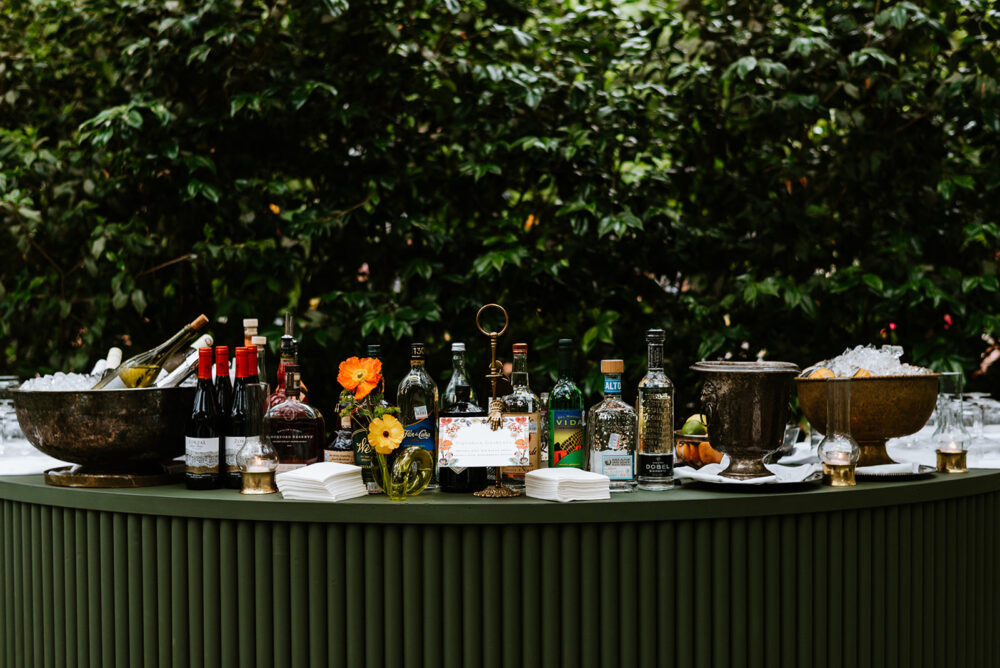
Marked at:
<point>258,463</point>
<point>258,482</point>
<point>839,475</point>
<point>952,461</point>
<point>498,490</point>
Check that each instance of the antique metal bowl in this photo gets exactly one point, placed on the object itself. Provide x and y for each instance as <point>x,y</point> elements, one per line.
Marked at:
<point>746,404</point>
<point>107,431</point>
<point>882,407</point>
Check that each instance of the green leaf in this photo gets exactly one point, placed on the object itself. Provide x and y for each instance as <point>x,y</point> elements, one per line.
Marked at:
<point>119,300</point>
<point>969,283</point>
<point>874,282</point>
<point>139,301</point>
<point>965,181</point>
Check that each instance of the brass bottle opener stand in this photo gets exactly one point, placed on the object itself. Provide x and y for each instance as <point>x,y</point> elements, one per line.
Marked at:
<point>497,491</point>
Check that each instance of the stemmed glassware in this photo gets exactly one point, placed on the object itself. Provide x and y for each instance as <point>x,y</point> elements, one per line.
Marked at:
<point>981,448</point>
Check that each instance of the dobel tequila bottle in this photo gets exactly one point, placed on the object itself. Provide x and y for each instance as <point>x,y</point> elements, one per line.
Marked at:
<point>656,420</point>
<point>417,398</point>
<point>611,432</point>
<point>522,401</point>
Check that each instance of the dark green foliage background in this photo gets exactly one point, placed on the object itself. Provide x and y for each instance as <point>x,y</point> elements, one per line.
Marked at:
<point>788,177</point>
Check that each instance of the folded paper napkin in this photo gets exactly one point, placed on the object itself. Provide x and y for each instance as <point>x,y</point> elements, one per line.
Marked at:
<point>803,453</point>
<point>29,464</point>
<point>782,474</point>
<point>566,484</point>
<point>324,481</point>
<point>889,469</point>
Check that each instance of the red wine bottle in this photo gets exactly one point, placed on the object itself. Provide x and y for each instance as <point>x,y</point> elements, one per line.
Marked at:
<point>202,437</point>
<point>239,419</point>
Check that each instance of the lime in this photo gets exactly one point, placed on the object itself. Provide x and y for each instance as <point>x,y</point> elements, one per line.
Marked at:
<point>694,428</point>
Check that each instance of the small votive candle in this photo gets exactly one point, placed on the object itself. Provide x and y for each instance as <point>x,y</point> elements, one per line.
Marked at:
<point>952,460</point>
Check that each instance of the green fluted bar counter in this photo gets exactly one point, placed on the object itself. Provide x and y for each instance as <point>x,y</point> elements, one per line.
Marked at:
<point>885,574</point>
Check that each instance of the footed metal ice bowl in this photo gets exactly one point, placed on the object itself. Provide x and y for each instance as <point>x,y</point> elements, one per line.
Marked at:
<point>882,407</point>
<point>107,431</point>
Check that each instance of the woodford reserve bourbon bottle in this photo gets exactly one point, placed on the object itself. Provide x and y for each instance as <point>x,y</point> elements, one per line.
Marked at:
<point>296,431</point>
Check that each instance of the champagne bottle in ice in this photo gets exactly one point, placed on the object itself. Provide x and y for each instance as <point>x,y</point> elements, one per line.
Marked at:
<point>141,370</point>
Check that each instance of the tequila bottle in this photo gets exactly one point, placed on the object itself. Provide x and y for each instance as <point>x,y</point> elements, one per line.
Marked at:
<point>522,401</point>
<point>459,376</point>
<point>565,414</point>
<point>656,420</point>
<point>611,432</point>
<point>417,398</point>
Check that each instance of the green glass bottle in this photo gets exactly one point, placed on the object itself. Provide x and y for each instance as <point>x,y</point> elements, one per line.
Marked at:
<point>565,409</point>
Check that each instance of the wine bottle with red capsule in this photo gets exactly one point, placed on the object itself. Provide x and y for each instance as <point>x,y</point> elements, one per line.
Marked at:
<point>202,436</point>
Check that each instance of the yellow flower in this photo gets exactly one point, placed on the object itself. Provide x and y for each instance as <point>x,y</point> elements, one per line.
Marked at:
<point>360,376</point>
<point>385,434</point>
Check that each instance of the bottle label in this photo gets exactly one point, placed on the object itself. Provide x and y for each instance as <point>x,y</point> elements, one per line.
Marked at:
<point>420,433</point>
<point>656,417</point>
<point>363,454</point>
<point>533,451</point>
<point>420,412</point>
<point>201,455</point>
<point>566,448</point>
<point>612,385</point>
<point>339,456</point>
<point>233,445</point>
<point>293,444</point>
<point>615,465</point>
<point>613,441</point>
<point>658,465</point>
<point>282,468</point>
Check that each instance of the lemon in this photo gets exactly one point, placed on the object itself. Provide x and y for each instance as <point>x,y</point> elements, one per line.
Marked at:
<point>697,417</point>
<point>862,373</point>
<point>694,428</point>
<point>821,373</point>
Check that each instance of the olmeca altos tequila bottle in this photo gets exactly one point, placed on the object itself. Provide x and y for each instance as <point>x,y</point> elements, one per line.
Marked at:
<point>611,432</point>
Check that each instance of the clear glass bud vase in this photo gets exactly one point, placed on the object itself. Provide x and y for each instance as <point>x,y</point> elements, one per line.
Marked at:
<point>838,451</point>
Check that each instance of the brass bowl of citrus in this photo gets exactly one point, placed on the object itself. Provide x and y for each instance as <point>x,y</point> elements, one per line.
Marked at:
<point>692,444</point>
<point>882,407</point>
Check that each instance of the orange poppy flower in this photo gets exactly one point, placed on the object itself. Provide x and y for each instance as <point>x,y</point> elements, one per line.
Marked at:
<point>360,376</point>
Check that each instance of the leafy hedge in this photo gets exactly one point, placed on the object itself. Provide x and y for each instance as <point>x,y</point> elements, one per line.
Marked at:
<point>794,178</point>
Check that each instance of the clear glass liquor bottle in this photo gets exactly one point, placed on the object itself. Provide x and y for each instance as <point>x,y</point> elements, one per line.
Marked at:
<point>417,398</point>
<point>566,414</point>
<point>522,401</point>
<point>656,420</point>
<point>611,432</point>
<point>459,376</point>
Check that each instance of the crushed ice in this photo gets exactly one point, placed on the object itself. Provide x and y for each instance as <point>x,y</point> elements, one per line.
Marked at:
<point>60,382</point>
<point>882,361</point>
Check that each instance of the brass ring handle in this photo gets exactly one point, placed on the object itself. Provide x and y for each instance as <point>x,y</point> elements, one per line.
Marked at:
<point>506,320</point>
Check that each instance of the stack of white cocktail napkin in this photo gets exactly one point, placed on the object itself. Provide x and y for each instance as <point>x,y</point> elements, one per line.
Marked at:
<point>566,484</point>
<point>324,481</point>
